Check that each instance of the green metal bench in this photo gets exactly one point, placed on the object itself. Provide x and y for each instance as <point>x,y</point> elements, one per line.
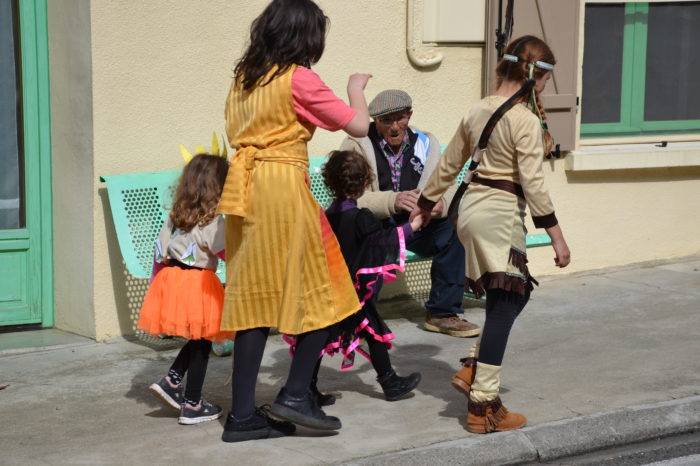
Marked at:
<point>141,201</point>
<point>323,196</point>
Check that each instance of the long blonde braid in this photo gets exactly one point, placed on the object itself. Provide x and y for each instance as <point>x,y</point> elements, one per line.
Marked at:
<point>548,142</point>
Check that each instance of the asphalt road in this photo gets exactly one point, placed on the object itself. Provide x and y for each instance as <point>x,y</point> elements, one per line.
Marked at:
<point>671,451</point>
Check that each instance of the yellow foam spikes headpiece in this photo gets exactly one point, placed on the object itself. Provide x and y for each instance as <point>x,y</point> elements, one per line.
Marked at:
<point>221,151</point>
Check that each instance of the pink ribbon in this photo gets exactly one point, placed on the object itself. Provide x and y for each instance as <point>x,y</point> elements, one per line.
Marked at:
<point>388,273</point>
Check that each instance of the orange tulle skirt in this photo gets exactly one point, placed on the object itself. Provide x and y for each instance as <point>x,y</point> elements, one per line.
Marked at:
<point>185,303</point>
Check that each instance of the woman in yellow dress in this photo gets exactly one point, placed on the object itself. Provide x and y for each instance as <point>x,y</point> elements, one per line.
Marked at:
<point>491,218</point>
<point>284,267</point>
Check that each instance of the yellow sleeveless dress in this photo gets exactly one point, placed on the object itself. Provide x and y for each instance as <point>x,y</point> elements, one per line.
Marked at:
<point>284,267</point>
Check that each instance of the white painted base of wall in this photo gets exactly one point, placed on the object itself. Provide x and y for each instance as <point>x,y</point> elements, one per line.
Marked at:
<point>626,156</point>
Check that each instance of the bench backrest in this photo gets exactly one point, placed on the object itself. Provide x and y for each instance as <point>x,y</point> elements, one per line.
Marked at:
<point>141,201</point>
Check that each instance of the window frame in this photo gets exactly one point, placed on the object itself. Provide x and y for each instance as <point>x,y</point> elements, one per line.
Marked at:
<point>633,86</point>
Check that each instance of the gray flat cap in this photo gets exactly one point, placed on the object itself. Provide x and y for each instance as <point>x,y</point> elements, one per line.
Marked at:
<point>389,101</point>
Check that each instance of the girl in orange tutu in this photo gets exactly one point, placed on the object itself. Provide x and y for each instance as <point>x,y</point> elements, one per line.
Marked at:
<point>185,297</point>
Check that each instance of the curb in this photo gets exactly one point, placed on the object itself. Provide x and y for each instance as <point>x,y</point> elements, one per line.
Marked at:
<point>38,349</point>
<point>556,439</point>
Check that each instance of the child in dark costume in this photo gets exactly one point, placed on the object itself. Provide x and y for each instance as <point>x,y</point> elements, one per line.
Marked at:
<point>372,254</point>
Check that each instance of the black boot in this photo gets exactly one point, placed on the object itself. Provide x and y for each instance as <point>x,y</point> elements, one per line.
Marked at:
<point>258,426</point>
<point>303,411</point>
<point>322,399</point>
<point>395,387</point>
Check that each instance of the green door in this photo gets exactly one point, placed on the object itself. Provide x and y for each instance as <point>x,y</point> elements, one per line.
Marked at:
<point>25,161</point>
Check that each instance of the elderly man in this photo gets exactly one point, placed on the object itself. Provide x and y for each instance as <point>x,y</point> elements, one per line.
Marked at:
<point>402,159</point>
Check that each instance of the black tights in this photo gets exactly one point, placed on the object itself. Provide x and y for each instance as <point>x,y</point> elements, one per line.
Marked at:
<point>247,356</point>
<point>502,308</point>
<point>377,351</point>
<point>193,359</point>
<point>379,354</point>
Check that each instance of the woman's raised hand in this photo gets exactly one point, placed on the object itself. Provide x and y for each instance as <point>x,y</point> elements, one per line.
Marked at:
<point>358,80</point>
<point>359,125</point>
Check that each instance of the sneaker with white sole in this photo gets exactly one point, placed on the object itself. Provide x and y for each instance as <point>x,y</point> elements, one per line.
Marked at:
<point>204,411</point>
<point>165,392</point>
<point>451,325</point>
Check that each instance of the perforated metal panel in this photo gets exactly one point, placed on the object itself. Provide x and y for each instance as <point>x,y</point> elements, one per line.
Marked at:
<point>144,218</point>
<point>318,188</point>
<point>140,203</point>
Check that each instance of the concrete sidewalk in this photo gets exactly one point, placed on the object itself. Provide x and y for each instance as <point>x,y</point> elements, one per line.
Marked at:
<point>595,360</point>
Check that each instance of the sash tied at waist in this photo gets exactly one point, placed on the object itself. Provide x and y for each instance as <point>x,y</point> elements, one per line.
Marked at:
<point>234,197</point>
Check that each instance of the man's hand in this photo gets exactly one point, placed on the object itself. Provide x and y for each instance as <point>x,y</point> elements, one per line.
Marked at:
<point>438,209</point>
<point>406,200</point>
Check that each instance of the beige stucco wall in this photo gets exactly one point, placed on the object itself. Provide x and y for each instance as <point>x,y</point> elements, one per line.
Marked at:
<point>618,217</point>
<point>160,73</point>
<point>72,165</point>
<point>160,80</point>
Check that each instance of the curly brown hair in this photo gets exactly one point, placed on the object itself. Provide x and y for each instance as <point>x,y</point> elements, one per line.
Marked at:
<point>347,174</point>
<point>198,191</point>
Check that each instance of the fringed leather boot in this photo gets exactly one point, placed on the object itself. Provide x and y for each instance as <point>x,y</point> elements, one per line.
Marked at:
<point>492,416</point>
<point>462,381</point>
<point>486,412</point>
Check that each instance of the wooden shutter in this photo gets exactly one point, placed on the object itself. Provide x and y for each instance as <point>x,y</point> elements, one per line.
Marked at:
<point>557,22</point>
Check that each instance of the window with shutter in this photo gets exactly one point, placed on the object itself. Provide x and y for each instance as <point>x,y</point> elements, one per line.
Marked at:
<point>556,22</point>
<point>640,64</point>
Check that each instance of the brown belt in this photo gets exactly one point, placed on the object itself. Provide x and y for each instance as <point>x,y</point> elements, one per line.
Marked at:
<point>503,185</point>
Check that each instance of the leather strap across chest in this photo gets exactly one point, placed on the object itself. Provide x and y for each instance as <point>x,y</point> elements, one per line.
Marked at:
<point>453,210</point>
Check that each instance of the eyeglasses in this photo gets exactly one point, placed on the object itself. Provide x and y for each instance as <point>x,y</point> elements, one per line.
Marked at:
<point>388,121</point>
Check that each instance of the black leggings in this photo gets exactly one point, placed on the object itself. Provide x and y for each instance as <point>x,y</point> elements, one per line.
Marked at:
<point>193,359</point>
<point>502,308</point>
<point>379,354</point>
<point>247,356</point>
<point>377,351</point>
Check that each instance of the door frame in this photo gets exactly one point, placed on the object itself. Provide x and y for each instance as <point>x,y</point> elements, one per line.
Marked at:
<point>36,123</point>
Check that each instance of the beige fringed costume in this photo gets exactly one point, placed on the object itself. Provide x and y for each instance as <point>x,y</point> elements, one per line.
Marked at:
<point>491,217</point>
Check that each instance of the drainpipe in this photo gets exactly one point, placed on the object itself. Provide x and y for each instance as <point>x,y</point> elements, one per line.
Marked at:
<point>421,57</point>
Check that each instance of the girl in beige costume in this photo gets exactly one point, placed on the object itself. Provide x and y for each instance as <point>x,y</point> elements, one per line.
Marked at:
<point>491,219</point>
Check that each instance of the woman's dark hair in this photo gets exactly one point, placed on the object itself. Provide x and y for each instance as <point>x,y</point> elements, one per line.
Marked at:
<point>347,174</point>
<point>528,49</point>
<point>287,32</point>
<point>198,191</point>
